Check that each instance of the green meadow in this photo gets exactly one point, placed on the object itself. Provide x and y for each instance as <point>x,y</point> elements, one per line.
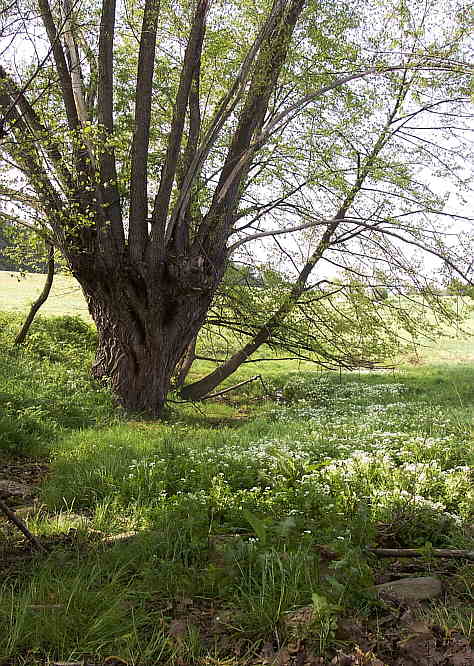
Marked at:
<point>200,539</point>
<point>17,291</point>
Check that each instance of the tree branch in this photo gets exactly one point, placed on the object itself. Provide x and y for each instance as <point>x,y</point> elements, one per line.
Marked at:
<point>192,58</point>
<point>276,232</point>
<point>138,224</point>
<point>219,218</point>
<point>42,298</point>
<point>231,388</point>
<point>105,119</point>
<point>16,220</point>
<point>38,130</point>
<point>224,109</point>
<point>61,64</point>
<point>27,159</point>
<point>75,70</point>
<point>198,389</point>
<point>13,518</point>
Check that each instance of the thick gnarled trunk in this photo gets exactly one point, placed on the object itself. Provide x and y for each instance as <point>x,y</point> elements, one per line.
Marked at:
<point>143,336</point>
<point>137,371</point>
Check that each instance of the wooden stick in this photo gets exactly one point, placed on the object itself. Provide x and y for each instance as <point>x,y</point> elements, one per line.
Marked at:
<point>415,552</point>
<point>231,388</point>
<point>12,517</point>
<point>328,554</point>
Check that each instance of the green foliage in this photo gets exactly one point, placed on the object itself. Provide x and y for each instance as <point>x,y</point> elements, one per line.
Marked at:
<point>457,287</point>
<point>45,385</point>
<point>21,250</point>
<point>316,461</point>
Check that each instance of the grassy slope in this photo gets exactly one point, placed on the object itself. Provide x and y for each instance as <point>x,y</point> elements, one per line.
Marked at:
<point>17,292</point>
<point>377,458</point>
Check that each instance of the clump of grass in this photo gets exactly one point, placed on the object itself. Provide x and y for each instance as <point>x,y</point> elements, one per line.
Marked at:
<point>45,385</point>
<point>76,607</point>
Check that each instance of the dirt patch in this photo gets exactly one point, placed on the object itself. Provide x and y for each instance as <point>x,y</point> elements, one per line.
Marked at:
<point>19,479</point>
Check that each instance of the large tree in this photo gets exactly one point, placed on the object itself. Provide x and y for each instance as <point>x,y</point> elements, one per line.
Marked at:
<point>150,143</point>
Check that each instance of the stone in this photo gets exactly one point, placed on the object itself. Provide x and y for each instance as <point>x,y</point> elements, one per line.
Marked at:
<point>411,589</point>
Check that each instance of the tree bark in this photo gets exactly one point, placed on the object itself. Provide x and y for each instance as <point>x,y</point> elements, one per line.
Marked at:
<point>144,331</point>
<point>42,298</point>
<point>187,362</point>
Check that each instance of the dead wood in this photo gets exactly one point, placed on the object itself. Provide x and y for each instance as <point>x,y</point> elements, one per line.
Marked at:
<point>13,518</point>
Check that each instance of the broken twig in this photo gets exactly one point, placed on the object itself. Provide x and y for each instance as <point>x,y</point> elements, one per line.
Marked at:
<point>454,554</point>
<point>328,554</point>
<point>13,518</point>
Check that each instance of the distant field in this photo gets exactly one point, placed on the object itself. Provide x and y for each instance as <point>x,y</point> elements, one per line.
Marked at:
<point>17,292</point>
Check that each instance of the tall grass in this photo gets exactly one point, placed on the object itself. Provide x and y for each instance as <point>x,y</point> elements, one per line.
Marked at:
<point>45,385</point>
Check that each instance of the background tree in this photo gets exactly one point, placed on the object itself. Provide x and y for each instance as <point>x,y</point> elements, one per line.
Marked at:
<point>153,143</point>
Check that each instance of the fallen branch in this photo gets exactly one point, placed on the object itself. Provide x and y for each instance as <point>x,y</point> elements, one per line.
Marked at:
<point>231,388</point>
<point>454,554</point>
<point>12,517</point>
<point>328,554</point>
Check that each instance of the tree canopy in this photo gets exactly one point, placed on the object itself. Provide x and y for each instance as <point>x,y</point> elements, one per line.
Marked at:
<point>153,143</point>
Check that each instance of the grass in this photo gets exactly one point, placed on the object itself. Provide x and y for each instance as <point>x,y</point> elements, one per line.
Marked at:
<point>219,511</point>
<point>18,291</point>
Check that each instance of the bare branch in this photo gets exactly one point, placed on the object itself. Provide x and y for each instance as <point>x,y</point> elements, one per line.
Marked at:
<point>277,232</point>
<point>38,130</point>
<point>105,119</point>
<point>75,69</point>
<point>42,298</point>
<point>191,63</point>
<point>13,518</point>
<point>61,65</point>
<point>219,218</point>
<point>138,225</point>
<point>224,109</point>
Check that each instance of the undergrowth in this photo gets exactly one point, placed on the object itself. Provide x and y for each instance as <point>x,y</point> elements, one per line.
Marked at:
<point>220,527</point>
<point>45,384</point>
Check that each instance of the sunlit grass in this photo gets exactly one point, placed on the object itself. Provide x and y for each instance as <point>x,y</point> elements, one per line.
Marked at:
<point>17,291</point>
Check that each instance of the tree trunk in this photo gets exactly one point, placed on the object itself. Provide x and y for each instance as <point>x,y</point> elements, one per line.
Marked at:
<point>186,363</point>
<point>143,333</point>
<point>137,369</point>
<point>200,389</point>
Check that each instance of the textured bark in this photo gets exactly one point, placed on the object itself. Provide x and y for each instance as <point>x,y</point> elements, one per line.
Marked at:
<point>138,226</point>
<point>144,331</point>
<point>186,363</point>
